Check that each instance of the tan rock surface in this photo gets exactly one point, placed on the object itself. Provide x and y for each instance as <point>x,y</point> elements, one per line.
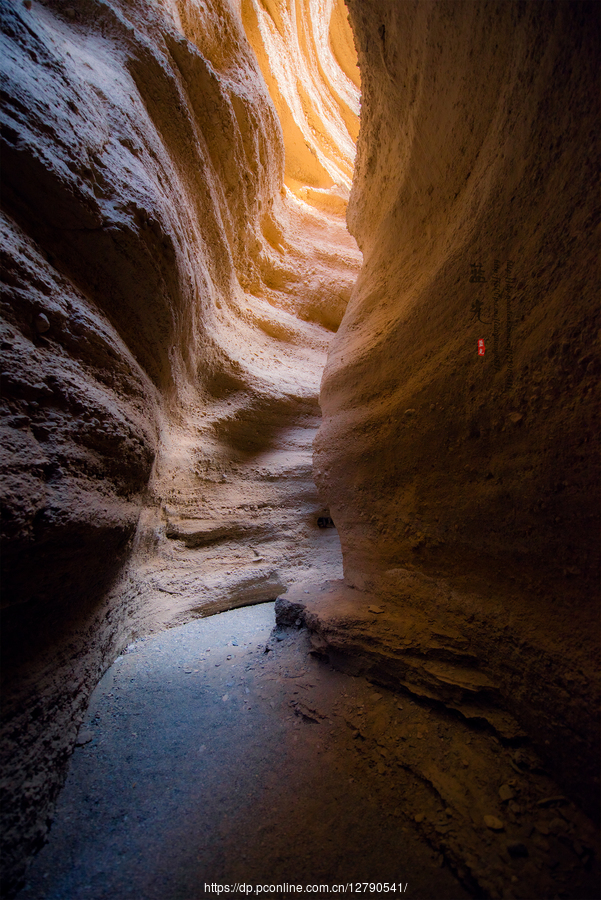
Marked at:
<point>465,487</point>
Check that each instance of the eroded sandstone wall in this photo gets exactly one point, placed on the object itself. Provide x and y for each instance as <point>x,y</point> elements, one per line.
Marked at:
<point>465,487</point>
<point>167,306</point>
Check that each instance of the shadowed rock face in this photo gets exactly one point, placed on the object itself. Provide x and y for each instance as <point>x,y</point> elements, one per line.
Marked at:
<point>465,486</point>
<point>167,308</point>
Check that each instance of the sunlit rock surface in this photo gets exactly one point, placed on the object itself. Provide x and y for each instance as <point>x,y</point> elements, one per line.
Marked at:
<point>465,486</point>
<point>167,308</point>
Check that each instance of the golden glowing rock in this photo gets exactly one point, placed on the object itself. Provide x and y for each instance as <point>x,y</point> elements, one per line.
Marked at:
<point>316,100</point>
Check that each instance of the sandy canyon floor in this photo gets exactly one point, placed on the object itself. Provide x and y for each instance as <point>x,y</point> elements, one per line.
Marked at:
<point>226,752</point>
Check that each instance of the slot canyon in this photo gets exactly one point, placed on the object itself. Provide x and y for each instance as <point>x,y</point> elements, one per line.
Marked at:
<point>300,303</point>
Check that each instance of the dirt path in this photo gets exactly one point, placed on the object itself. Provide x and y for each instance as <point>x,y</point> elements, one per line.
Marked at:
<point>206,758</point>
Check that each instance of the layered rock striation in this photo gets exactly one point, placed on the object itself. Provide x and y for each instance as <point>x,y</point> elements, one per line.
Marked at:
<point>167,307</point>
<point>458,451</point>
<point>176,268</point>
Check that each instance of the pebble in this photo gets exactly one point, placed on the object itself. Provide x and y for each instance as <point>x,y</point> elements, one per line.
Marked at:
<point>42,323</point>
<point>493,823</point>
<point>506,792</point>
<point>552,801</point>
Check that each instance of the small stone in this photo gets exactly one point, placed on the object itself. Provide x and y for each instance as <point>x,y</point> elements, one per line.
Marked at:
<point>225,697</point>
<point>228,657</point>
<point>493,823</point>
<point>376,610</point>
<point>558,800</point>
<point>506,793</point>
<point>419,817</point>
<point>516,848</point>
<point>84,737</point>
<point>42,323</point>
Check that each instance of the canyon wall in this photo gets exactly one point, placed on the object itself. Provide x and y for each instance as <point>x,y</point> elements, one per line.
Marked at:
<point>458,450</point>
<point>167,307</point>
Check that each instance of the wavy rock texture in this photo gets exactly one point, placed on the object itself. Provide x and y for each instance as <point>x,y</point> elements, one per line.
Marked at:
<point>167,309</point>
<point>176,264</point>
<point>465,487</point>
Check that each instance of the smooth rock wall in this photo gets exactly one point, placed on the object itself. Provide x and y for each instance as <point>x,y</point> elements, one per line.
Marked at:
<point>466,486</point>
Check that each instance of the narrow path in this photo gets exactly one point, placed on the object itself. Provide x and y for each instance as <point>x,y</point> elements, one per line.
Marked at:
<point>229,751</point>
<point>206,759</point>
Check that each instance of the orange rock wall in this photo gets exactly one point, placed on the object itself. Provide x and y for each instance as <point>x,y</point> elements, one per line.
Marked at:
<point>477,146</point>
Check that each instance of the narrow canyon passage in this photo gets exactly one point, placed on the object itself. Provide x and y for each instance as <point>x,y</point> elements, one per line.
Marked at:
<point>269,265</point>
